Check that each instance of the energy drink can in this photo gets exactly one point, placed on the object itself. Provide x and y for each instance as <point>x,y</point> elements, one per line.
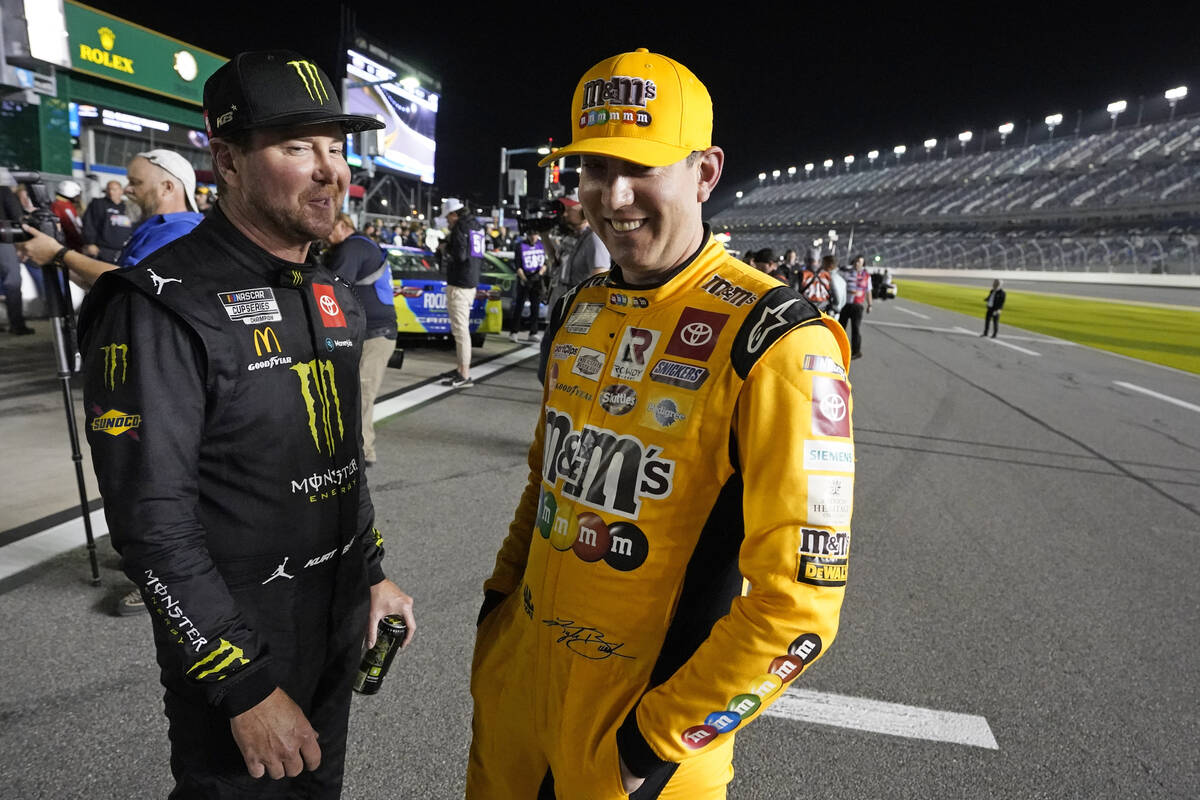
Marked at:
<point>375,662</point>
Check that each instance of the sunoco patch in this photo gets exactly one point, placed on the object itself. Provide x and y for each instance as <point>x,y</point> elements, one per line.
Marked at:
<point>251,306</point>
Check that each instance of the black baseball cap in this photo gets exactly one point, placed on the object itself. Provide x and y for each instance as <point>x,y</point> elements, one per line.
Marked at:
<point>274,88</point>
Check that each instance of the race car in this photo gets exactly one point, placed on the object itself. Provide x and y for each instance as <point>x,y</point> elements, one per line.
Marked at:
<point>419,288</point>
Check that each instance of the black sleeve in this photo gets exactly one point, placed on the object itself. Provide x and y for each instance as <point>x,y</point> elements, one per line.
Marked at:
<point>459,248</point>
<point>93,221</point>
<point>10,206</point>
<point>145,397</point>
<point>354,259</point>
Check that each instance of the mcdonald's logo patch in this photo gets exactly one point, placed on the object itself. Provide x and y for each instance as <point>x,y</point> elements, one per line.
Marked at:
<point>311,77</point>
<point>265,341</point>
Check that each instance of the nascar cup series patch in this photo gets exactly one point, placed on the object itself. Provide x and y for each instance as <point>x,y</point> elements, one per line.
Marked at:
<point>251,306</point>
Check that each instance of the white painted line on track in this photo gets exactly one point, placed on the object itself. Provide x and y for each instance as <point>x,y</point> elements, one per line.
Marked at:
<point>44,545</point>
<point>1018,348</point>
<point>1164,397</point>
<point>908,311</point>
<point>876,716</point>
<point>431,391</point>
<point>32,550</point>
<point>913,327</point>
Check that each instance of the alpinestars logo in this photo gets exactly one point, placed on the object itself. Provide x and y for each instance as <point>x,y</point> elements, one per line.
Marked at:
<point>318,387</point>
<point>114,355</point>
<point>771,319</point>
<point>312,80</point>
<point>603,469</point>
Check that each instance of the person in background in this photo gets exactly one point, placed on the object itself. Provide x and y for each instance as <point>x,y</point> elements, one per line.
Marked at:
<point>204,199</point>
<point>791,267</point>
<point>580,255</point>
<point>66,208</point>
<point>837,292</point>
<point>858,302</point>
<point>463,260</point>
<point>363,265</point>
<point>816,285</point>
<point>995,302</point>
<point>106,224</point>
<point>10,267</point>
<point>531,270</point>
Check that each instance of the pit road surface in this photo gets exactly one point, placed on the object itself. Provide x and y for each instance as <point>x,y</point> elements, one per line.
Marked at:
<point>1024,555</point>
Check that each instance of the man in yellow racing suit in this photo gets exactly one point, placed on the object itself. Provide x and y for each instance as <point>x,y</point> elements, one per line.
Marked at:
<point>680,552</point>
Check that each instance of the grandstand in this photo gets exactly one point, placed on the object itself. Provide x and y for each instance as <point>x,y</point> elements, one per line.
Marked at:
<point>1126,199</point>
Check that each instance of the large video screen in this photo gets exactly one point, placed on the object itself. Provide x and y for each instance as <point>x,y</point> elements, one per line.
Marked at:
<point>409,141</point>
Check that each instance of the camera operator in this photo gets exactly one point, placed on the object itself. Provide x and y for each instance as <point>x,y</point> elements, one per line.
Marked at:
<point>161,184</point>
<point>10,267</point>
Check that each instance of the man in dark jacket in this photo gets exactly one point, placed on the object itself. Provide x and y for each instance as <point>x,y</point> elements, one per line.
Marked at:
<point>106,224</point>
<point>220,386</point>
<point>995,302</point>
<point>463,261</point>
<point>363,265</point>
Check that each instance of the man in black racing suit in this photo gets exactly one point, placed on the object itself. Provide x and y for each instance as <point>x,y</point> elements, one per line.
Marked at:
<point>221,390</point>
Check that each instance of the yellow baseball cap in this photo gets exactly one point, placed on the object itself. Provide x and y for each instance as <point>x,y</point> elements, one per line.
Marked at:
<point>640,107</point>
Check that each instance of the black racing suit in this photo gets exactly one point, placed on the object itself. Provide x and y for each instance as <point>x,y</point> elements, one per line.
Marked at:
<point>221,392</point>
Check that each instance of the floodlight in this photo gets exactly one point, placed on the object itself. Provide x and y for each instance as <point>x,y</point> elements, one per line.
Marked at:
<point>965,137</point>
<point>1176,94</point>
<point>762,176</point>
<point>809,167</point>
<point>1117,107</point>
<point>791,170</point>
<point>1006,129</point>
<point>930,144</point>
<point>738,195</point>
<point>899,149</point>
<point>1054,120</point>
<point>774,173</point>
<point>848,160</point>
<point>874,154</point>
<point>828,163</point>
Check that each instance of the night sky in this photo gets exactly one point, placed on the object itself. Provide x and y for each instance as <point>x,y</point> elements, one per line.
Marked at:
<point>787,87</point>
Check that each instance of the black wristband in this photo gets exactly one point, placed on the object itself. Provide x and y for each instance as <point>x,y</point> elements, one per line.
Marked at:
<point>60,257</point>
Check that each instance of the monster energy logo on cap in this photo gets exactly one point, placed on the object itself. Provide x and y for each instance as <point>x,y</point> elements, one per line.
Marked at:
<point>312,79</point>
<point>274,88</point>
<point>318,385</point>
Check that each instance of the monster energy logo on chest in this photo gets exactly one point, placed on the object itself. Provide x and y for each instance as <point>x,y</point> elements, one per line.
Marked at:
<point>318,384</point>
<point>115,354</point>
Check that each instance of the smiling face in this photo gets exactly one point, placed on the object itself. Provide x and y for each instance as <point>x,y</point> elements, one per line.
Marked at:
<point>288,183</point>
<point>648,217</point>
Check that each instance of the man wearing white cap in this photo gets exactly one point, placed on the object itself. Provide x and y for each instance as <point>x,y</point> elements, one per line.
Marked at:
<point>161,185</point>
<point>694,439</point>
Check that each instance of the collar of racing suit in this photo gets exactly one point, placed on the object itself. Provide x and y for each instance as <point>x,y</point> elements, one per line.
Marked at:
<point>617,279</point>
<point>249,255</point>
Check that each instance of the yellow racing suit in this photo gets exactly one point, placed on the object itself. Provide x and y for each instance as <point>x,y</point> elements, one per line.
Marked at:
<point>680,552</point>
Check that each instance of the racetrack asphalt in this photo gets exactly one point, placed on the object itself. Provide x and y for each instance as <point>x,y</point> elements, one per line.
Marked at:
<point>1024,550</point>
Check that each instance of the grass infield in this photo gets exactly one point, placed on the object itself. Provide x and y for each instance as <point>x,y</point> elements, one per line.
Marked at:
<point>1167,336</point>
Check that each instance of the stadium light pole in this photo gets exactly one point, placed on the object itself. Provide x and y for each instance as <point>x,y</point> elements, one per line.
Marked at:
<point>849,162</point>
<point>1004,130</point>
<point>808,168</point>
<point>871,156</point>
<point>775,175</point>
<point>1052,122</point>
<point>506,153</point>
<point>899,150</point>
<point>1173,96</point>
<point>828,165</point>
<point>762,177</point>
<point>964,139</point>
<point>929,145</point>
<point>792,173</point>
<point>1115,109</point>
